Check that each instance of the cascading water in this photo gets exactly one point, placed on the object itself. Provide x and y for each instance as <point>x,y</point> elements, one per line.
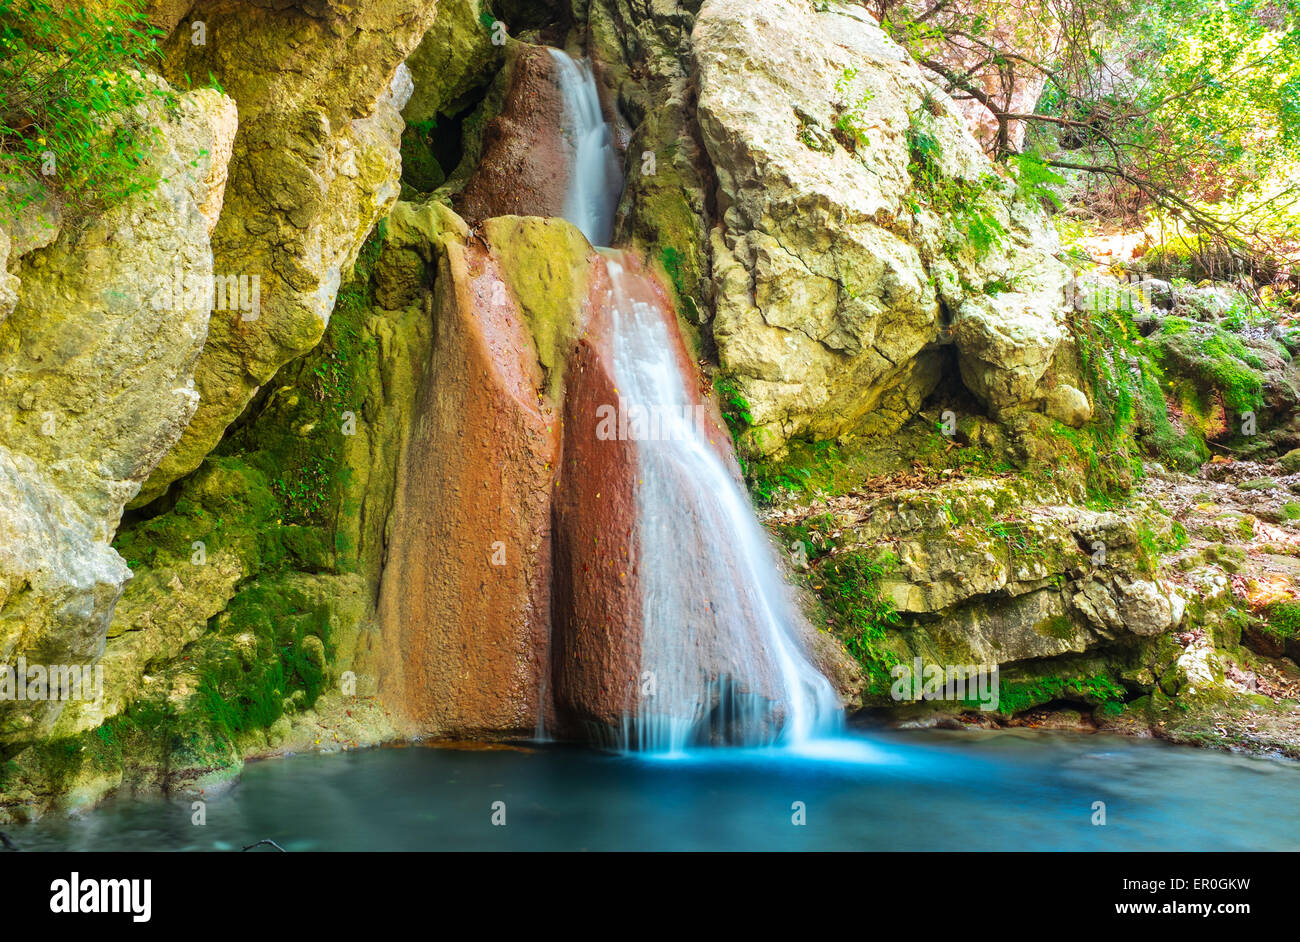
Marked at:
<point>595,178</point>
<point>718,646</point>
<point>716,613</point>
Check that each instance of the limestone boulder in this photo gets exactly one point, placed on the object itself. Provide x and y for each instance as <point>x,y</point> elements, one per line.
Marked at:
<point>1069,406</point>
<point>8,283</point>
<point>835,266</point>
<point>316,165</point>
<point>996,571</point>
<point>97,361</point>
<point>455,56</point>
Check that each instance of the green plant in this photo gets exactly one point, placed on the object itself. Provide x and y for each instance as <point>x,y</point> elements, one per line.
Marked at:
<point>849,585</point>
<point>963,201</point>
<point>1035,179</point>
<point>1021,539</point>
<point>70,79</point>
<point>808,469</point>
<point>1282,619</point>
<point>851,122</point>
<point>735,408</point>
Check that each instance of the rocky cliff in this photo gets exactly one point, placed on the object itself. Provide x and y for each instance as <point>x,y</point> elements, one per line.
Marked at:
<point>349,499</point>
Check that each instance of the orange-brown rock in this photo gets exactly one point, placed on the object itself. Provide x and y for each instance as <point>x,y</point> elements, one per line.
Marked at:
<point>597,651</point>
<point>524,170</point>
<point>465,601</point>
<point>596,648</point>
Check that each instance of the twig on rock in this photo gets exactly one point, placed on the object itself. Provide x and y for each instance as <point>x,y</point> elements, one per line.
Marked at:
<point>272,843</point>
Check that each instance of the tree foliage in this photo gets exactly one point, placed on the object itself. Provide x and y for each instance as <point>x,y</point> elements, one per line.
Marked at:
<point>1189,109</point>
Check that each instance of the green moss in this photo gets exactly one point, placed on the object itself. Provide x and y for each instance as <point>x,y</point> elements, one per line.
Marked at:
<point>228,504</point>
<point>849,586</point>
<point>1132,411</point>
<point>1058,626</point>
<point>269,655</point>
<point>1153,543</point>
<point>544,261</point>
<point>1214,361</point>
<point>677,267</point>
<point>1016,697</point>
<point>808,469</point>
<point>665,205</point>
<point>318,401</point>
<point>420,168</point>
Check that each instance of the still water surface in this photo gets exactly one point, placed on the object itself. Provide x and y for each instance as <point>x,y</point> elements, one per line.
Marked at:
<point>942,791</point>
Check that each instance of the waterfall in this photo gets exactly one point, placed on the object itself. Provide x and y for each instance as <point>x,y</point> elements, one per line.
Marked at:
<point>719,649</point>
<point>595,177</point>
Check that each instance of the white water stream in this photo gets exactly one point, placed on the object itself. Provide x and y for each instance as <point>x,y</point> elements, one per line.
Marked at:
<point>718,641</point>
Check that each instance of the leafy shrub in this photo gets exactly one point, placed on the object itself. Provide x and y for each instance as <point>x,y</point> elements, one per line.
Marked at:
<point>849,586</point>
<point>69,78</point>
<point>851,124</point>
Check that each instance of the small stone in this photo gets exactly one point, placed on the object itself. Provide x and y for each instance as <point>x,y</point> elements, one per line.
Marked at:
<point>1156,293</point>
<point>1068,406</point>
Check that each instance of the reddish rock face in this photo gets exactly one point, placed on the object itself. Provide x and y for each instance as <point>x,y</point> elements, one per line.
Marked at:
<point>465,600</point>
<point>523,579</point>
<point>598,610</point>
<point>524,170</point>
<point>596,649</point>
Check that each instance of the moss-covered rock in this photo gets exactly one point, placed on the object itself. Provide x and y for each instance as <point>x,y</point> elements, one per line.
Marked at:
<point>455,58</point>
<point>254,587</point>
<point>96,367</point>
<point>546,263</point>
<point>294,222</point>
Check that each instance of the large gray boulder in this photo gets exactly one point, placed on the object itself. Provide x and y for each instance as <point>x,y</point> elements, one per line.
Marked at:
<point>850,191</point>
